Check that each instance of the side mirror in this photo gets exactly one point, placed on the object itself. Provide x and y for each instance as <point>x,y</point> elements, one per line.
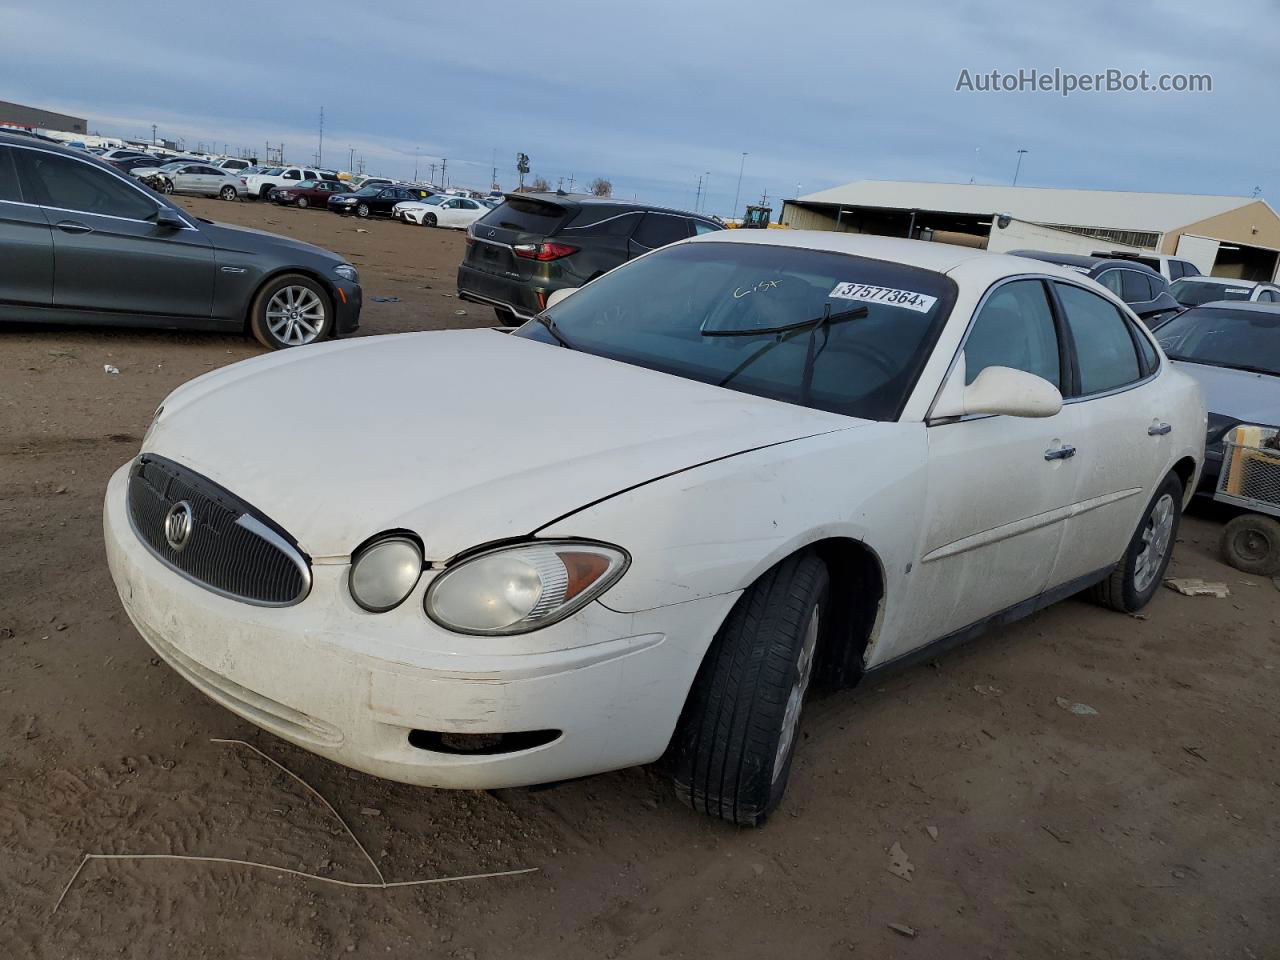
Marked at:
<point>997,390</point>
<point>169,220</point>
<point>558,295</point>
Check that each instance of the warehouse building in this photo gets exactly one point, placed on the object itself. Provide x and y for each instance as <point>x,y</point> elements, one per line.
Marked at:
<point>1224,236</point>
<point>16,115</point>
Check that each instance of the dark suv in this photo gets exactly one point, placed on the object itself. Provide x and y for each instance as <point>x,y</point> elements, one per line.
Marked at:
<point>533,244</point>
<point>1143,289</point>
<point>81,242</point>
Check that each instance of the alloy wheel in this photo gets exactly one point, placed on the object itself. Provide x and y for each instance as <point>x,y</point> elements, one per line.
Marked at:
<point>795,699</point>
<point>295,315</point>
<point>1156,536</point>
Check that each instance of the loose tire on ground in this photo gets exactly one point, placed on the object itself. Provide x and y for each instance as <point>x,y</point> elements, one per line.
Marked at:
<point>1251,543</point>
<point>270,332</point>
<point>732,750</point>
<point>1132,584</point>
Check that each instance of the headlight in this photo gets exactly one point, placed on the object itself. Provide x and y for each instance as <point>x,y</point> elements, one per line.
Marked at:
<point>384,573</point>
<point>521,588</point>
<point>347,272</point>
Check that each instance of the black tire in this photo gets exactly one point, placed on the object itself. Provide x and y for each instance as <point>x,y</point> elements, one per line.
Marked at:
<point>264,192</point>
<point>228,192</point>
<point>1121,590</point>
<point>429,220</point>
<point>303,203</point>
<point>1251,543</point>
<point>362,211</point>
<point>259,324</point>
<point>505,317</point>
<point>729,756</point>
<point>166,186</point>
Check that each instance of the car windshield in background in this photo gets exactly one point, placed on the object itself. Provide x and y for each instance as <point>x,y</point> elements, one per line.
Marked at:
<point>1222,337</point>
<point>435,199</point>
<point>370,191</point>
<point>824,330</point>
<point>1192,293</point>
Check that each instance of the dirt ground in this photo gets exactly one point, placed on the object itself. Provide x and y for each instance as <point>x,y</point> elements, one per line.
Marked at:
<point>1147,830</point>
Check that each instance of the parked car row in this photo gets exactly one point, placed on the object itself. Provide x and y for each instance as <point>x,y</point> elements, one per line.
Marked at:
<point>1143,288</point>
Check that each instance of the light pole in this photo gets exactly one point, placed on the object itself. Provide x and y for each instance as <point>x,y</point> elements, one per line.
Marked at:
<point>697,197</point>
<point>738,192</point>
<point>1018,168</point>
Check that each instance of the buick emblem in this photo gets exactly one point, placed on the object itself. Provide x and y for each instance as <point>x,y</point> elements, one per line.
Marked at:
<point>492,233</point>
<point>179,524</point>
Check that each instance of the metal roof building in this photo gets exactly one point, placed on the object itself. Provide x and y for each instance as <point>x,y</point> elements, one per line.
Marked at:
<point>1226,235</point>
<point>15,114</point>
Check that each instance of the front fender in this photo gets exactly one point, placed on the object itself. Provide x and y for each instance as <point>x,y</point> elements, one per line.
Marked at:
<point>716,528</point>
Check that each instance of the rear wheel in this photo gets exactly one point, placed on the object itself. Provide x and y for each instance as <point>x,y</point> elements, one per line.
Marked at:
<point>228,192</point>
<point>1140,572</point>
<point>1251,543</point>
<point>290,311</point>
<point>733,748</point>
<point>303,203</point>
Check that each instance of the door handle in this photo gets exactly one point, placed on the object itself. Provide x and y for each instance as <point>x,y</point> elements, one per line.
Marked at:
<point>1064,452</point>
<point>1159,429</point>
<point>73,226</point>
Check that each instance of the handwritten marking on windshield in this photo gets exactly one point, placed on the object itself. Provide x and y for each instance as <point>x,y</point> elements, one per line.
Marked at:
<point>739,292</point>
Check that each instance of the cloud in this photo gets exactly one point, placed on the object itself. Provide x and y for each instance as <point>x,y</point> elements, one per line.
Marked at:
<point>653,95</point>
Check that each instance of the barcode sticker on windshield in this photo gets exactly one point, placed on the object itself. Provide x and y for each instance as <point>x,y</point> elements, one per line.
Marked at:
<point>869,293</point>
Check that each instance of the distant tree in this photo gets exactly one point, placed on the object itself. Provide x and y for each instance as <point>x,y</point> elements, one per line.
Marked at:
<point>600,187</point>
<point>539,185</point>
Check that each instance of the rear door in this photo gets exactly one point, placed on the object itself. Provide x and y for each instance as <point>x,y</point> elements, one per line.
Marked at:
<point>657,230</point>
<point>1124,435</point>
<point>26,244</point>
<point>109,254</point>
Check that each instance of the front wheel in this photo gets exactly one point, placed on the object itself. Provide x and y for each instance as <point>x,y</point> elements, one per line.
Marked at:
<point>228,192</point>
<point>291,311</point>
<point>362,211</point>
<point>733,747</point>
<point>429,220</point>
<point>1251,543</point>
<point>1140,572</point>
<point>303,203</point>
<point>166,186</point>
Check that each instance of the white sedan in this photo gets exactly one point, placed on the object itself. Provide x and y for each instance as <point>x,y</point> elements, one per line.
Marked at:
<point>742,464</point>
<point>440,210</point>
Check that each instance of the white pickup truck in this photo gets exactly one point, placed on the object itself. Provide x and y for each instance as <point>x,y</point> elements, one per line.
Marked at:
<point>258,185</point>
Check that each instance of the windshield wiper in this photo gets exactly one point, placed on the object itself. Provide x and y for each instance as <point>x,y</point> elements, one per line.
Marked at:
<point>827,317</point>
<point>552,329</point>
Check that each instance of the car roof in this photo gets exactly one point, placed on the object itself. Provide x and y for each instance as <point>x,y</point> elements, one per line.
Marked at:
<point>1082,260</point>
<point>571,200</point>
<point>925,254</point>
<point>1225,282</point>
<point>1246,305</point>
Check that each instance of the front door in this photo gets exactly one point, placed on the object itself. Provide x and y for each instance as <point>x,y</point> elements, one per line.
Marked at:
<point>109,254</point>
<point>999,487</point>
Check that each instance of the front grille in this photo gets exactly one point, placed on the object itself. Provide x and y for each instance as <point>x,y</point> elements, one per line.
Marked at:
<point>231,549</point>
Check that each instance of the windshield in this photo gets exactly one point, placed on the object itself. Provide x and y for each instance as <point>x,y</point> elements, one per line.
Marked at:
<point>749,317</point>
<point>1192,293</point>
<point>369,191</point>
<point>1222,337</point>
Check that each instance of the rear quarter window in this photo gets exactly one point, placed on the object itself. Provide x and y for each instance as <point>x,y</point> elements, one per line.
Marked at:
<point>526,216</point>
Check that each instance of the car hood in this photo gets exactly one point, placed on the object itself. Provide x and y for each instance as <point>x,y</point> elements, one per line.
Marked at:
<point>1238,394</point>
<point>464,437</point>
<point>248,240</point>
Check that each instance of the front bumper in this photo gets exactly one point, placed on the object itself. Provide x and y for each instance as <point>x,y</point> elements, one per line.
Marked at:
<point>352,686</point>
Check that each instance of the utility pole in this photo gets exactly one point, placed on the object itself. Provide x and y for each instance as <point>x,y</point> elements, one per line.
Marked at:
<point>571,183</point>
<point>433,174</point>
<point>1018,168</point>
<point>697,197</point>
<point>444,171</point>
<point>738,192</point>
<point>320,149</point>
<point>494,182</point>
<point>351,157</point>
<point>415,164</point>
<point>153,134</point>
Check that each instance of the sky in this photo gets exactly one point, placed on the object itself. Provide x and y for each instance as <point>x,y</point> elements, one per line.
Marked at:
<point>654,95</point>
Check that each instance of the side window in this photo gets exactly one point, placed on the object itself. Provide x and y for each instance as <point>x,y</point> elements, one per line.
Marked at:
<point>612,224</point>
<point>470,205</point>
<point>310,175</point>
<point>1137,287</point>
<point>57,181</point>
<point>291,175</point>
<point>1112,280</point>
<point>1104,348</point>
<point>1015,329</point>
<point>8,177</point>
<point>1175,270</point>
<point>659,229</point>
<point>1149,359</point>
<point>699,228</point>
